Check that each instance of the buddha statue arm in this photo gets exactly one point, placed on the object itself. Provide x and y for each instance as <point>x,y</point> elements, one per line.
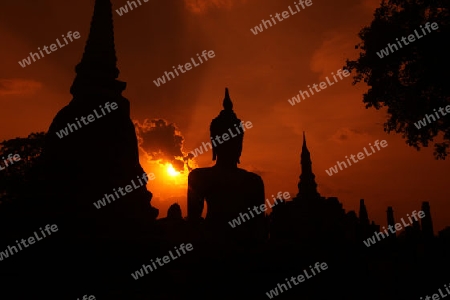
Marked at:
<point>195,199</point>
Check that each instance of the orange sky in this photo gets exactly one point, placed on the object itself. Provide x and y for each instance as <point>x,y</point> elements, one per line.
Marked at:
<point>261,71</point>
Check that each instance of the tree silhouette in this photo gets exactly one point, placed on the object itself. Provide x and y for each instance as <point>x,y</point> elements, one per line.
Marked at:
<point>15,178</point>
<point>411,81</point>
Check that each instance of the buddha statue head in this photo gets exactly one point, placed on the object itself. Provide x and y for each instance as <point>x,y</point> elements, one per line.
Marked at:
<point>227,135</point>
<point>174,211</point>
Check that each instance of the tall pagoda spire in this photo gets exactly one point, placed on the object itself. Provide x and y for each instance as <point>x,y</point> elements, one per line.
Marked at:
<point>307,186</point>
<point>227,104</point>
<point>97,69</point>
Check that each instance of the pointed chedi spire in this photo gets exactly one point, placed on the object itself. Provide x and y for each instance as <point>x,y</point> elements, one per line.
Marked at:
<point>305,150</point>
<point>307,186</point>
<point>97,69</point>
<point>227,104</point>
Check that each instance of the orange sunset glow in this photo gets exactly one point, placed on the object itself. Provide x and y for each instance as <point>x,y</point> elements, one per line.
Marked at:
<point>262,72</point>
<point>169,185</point>
<point>224,149</point>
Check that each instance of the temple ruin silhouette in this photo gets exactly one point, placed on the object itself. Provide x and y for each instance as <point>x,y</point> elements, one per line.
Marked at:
<point>90,162</point>
<point>102,156</point>
<point>312,218</point>
<point>95,251</point>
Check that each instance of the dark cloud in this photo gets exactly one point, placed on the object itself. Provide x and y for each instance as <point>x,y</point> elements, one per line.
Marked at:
<point>162,141</point>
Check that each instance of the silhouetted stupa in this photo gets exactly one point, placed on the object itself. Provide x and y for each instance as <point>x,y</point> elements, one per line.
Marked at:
<point>311,217</point>
<point>307,186</point>
<point>99,156</point>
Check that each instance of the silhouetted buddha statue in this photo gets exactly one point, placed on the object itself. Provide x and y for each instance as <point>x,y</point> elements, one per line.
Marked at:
<point>173,227</point>
<point>174,212</point>
<point>230,192</point>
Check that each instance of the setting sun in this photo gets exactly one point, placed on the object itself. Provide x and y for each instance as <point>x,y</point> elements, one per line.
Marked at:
<point>170,184</point>
<point>171,171</point>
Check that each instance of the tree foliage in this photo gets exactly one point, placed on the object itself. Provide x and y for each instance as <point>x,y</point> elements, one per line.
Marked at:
<point>413,80</point>
<point>15,179</point>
